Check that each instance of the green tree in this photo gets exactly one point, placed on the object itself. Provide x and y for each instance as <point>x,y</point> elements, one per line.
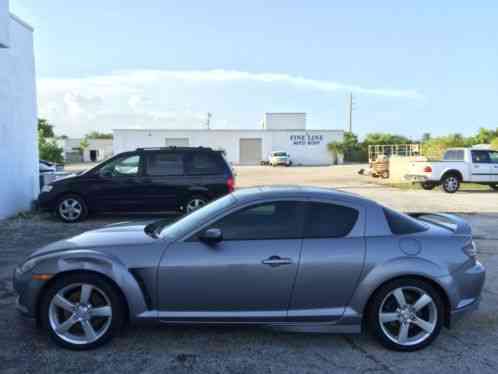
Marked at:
<point>98,135</point>
<point>435,147</point>
<point>45,128</point>
<point>349,147</point>
<point>48,149</point>
<point>84,144</point>
<point>494,144</point>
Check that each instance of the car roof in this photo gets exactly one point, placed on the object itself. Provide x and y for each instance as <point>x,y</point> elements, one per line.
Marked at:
<point>270,192</point>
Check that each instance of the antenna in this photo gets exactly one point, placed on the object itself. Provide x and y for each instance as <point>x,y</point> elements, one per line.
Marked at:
<point>349,114</point>
<point>208,121</point>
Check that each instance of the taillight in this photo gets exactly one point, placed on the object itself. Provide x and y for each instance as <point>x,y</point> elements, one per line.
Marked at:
<point>428,169</point>
<point>231,184</point>
<point>470,249</point>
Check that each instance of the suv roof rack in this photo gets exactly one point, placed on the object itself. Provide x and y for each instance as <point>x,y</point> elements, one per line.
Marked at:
<point>172,147</point>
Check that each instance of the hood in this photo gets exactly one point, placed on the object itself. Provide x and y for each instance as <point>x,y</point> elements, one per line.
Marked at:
<point>116,235</point>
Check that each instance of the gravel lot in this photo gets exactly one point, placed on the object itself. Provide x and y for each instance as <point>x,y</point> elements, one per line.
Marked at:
<point>471,346</point>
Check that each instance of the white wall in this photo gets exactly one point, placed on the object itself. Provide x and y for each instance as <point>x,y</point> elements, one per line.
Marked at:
<point>284,121</point>
<point>19,183</point>
<point>4,23</point>
<point>305,147</point>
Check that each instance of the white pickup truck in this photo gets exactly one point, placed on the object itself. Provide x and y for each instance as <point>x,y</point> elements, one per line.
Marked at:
<point>459,165</point>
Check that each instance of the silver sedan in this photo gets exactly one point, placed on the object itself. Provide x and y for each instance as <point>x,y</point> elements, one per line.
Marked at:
<point>290,258</point>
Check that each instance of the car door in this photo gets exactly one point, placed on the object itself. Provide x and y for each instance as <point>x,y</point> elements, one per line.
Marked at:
<point>331,263</point>
<point>248,276</point>
<point>482,168</point>
<point>493,155</point>
<point>164,181</point>
<point>116,186</point>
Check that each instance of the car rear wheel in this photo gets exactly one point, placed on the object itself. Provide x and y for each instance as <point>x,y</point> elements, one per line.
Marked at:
<point>406,314</point>
<point>494,186</point>
<point>194,203</point>
<point>71,208</point>
<point>82,312</point>
<point>451,183</point>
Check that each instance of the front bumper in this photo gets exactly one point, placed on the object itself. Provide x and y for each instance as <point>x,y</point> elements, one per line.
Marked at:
<point>27,291</point>
<point>45,201</point>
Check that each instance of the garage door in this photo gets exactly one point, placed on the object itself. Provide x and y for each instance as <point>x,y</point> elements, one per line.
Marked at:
<point>250,151</point>
<point>177,142</point>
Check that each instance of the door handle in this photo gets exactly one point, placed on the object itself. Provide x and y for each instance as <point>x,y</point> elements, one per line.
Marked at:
<point>275,261</point>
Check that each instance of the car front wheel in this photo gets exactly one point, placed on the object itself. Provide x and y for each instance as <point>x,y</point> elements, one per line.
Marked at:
<point>81,312</point>
<point>406,315</point>
<point>71,208</point>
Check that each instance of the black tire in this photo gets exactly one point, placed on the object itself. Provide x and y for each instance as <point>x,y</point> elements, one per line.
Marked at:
<point>427,186</point>
<point>494,186</point>
<point>117,304</point>
<point>69,199</point>
<point>381,331</point>
<point>451,183</point>
<point>191,202</point>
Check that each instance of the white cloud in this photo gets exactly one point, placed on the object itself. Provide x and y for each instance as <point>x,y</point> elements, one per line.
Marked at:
<point>164,98</point>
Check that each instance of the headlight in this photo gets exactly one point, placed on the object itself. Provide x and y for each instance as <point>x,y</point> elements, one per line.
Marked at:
<point>47,188</point>
<point>27,266</point>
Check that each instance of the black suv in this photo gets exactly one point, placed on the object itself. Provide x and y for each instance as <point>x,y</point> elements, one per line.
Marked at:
<point>145,180</point>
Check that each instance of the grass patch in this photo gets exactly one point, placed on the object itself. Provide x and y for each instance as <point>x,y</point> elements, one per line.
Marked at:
<point>416,186</point>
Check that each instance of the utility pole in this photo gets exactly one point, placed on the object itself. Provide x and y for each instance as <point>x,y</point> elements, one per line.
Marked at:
<point>349,115</point>
<point>208,121</point>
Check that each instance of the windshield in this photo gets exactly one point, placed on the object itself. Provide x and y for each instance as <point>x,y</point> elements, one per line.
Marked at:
<point>197,218</point>
<point>280,154</point>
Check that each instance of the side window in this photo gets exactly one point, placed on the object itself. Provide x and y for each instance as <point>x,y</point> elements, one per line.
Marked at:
<point>124,166</point>
<point>459,155</point>
<point>202,163</point>
<point>449,156</point>
<point>481,157</point>
<point>325,220</point>
<point>165,164</point>
<point>493,157</point>
<point>277,220</point>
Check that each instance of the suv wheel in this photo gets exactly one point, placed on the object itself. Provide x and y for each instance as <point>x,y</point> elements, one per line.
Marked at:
<point>406,314</point>
<point>71,208</point>
<point>81,311</point>
<point>451,183</point>
<point>194,203</point>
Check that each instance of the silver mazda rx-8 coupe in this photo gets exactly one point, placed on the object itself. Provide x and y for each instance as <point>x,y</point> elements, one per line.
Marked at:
<point>290,258</point>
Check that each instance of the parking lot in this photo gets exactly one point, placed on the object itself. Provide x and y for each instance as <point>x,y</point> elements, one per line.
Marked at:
<point>472,346</point>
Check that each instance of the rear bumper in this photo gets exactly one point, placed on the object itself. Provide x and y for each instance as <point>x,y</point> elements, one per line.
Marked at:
<point>416,178</point>
<point>465,293</point>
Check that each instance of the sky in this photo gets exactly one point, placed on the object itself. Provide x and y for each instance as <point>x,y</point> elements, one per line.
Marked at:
<point>427,66</point>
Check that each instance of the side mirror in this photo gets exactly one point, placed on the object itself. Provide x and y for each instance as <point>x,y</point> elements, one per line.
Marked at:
<point>105,173</point>
<point>211,236</point>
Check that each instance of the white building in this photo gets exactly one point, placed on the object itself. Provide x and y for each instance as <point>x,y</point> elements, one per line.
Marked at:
<point>19,184</point>
<point>97,150</point>
<point>280,132</point>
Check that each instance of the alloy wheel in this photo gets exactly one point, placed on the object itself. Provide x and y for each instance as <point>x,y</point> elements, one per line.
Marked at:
<point>80,313</point>
<point>195,204</point>
<point>408,316</point>
<point>70,209</point>
<point>451,184</point>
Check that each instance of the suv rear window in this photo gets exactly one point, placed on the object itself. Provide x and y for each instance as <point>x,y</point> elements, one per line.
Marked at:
<point>204,163</point>
<point>401,224</point>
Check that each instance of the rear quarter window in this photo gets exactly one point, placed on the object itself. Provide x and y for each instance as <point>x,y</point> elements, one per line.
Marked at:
<point>204,163</point>
<point>401,224</point>
<point>327,220</point>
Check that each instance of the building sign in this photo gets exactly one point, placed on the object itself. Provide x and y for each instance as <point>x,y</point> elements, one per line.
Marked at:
<point>306,139</point>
